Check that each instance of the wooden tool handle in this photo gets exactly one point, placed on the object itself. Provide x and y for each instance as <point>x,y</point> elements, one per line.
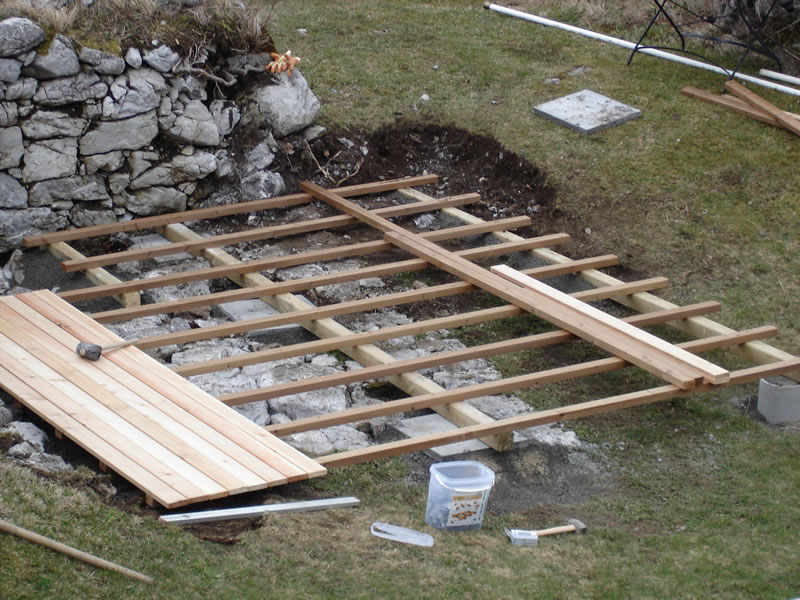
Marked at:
<point>555,530</point>
<point>70,551</point>
<point>117,345</point>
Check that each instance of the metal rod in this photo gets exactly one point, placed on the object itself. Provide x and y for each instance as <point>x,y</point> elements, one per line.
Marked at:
<point>510,12</point>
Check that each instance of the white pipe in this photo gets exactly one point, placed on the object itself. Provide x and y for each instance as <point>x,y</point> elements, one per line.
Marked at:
<point>780,76</point>
<point>630,45</point>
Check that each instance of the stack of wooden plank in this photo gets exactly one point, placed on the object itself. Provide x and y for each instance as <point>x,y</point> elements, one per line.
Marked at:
<point>748,103</point>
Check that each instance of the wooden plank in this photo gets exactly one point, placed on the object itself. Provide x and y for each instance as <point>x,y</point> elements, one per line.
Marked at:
<point>418,363</point>
<point>502,386</point>
<point>139,385</point>
<point>250,235</point>
<point>731,102</point>
<point>459,320</point>
<point>583,409</point>
<point>644,350</point>
<point>367,354</point>
<point>214,212</point>
<point>215,472</point>
<point>114,430</point>
<point>280,262</point>
<point>710,372</point>
<point>33,398</point>
<point>756,101</point>
<point>253,512</point>
<point>283,458</point>
<point>698,326</point>
<point>98,276</point>
<point>296,285</point>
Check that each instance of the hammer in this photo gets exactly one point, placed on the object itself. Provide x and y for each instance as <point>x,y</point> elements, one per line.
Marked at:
<point>93,351</point>
<point>572,525</point>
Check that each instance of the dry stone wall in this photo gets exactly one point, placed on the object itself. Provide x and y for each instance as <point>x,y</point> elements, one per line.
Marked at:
<point>88,137</point>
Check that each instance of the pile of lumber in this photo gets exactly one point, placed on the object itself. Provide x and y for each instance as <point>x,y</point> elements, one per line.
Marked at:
<point>748,103</point>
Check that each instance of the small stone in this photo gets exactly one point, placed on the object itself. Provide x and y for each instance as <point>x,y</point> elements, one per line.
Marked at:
<point>134,58</point>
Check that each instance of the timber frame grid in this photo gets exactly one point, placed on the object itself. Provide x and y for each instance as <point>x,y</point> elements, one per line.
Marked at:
<point>518,289</point>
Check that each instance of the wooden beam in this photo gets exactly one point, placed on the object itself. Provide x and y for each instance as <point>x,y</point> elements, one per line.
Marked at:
<point>261,233</point>
<point>214,212</point>
<point>305,283</point>
<point>759,103</point>
<point>582,409</point>
<point>99,276</point>
<point>699,326</point>
<point>549,376</point>
<point>736,105</point>
<point>642,350</point>
<point>460,414</point>
<point>299,258</point>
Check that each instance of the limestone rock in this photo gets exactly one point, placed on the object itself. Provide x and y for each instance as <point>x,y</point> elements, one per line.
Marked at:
<point>162,58</point>
<point>18,35</point>
<point>179,170</point>
<point>103,62</point>
<point>226,116</point>
<point>12,194</point>
<point>262,184</point>
<point>110,161</point>
<point>258,158</point>
<point>44,124</point>
<point>22,89</point>
<point>9,69</point>
<point>90,188</point>
<point>82,215</point>
<point>194,125</point>
<point>29,433</point>
<point>49,159</point>
<point>157,201</point>
<point>133,93</point>
<point>257,412</point>
<point>60,61</point>
<point>22,450</point>
<point>9,114</point>
<point>134,58</point>
<point>17,224</point>
<point>286,107</point>
<point>66,90</point>
<point>125,134</point>
<point>49,463</point>
<point>11,149</point>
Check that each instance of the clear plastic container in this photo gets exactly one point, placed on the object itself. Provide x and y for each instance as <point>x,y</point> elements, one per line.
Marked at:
<point>457,495</point>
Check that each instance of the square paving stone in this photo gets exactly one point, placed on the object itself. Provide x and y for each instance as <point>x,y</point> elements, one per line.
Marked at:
<point>587,111</point>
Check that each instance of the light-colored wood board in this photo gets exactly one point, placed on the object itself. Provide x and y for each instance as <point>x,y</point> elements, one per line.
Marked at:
<point>252,512</point>
<point>300,258</point>
<point>296,285</point>
<point>99,276</point>
<point>283,458</point>
<point>710,372</point>
<point>545,417</point>
<point>213,212</point>
<point>86,438</point>
<point>140,384</point>
<point>502,386</point>
<point>367,354</point>
<point>459,320</point>
<point>639,351</point>
<point>759,103</point>
<point>424,362</point>
<point>250,235</point>
<point>105,397</point>
<point>699,326</point>
<point>731,102</point>
<point>114,430</point>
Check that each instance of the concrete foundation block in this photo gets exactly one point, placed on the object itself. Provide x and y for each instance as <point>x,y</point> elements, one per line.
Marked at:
<point>779,400</point>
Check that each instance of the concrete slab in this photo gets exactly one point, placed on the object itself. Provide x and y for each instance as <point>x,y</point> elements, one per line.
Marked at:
<point>284,335</point>
<point>586,111</point>
<point>434,423</point>
<point>151,240</point>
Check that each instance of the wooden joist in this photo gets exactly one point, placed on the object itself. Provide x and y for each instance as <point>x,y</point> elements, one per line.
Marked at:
<point>678,367</point>
<point>214,212</point>
<point>759,103</point>
<point>574,411</point>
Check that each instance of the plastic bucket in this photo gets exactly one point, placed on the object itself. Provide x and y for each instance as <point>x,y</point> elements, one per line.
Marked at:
<point>457,495</point>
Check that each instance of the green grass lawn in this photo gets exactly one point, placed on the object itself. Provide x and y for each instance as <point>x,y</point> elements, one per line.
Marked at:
<point>701,499</point>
